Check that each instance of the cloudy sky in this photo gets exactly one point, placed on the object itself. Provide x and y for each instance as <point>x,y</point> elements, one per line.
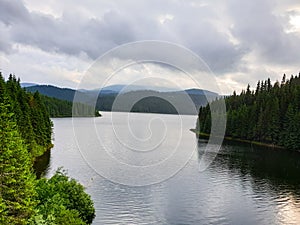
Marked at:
<point>56,42</point>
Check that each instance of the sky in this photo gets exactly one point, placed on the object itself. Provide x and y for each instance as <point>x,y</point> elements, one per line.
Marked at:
<point>57,42</point>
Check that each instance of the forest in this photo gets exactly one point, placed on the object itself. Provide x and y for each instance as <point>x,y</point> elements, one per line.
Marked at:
<point>56,107</point>
<point>25,133</point>
<point>59,102</point>
<point>30,114</point>
<point>269,114</point>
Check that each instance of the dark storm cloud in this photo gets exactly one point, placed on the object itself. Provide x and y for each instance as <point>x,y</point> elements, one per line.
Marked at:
<point>5,45</point>
<point>13,11</point>
<point>73,34</point>
<point>190,23</point>
<point>70,34</point>
<point>214,46</point>
<point>259,29</point>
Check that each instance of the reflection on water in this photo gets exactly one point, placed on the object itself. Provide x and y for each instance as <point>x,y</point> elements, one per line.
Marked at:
<point>244,185</point>
<point>270,177</point>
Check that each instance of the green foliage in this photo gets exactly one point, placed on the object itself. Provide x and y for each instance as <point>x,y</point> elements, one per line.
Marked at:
<point>270,114</point>
<point>154,105</point>
<point>31,116</point>
<point>57,107</point>
<point>63,199</point>
<point>53,92</point>
<point>16,178</point>
<point>63,108</point>
<point>25,132</point>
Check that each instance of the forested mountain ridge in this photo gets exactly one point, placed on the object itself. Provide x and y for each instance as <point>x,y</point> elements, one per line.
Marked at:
<point>156,102</point>
<point>270,114</point>
<point>59,101</point>
<point>54,92</point>
<point>57,107</point>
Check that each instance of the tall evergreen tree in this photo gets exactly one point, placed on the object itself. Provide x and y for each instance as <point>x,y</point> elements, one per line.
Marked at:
<point>270,114</point>
<point>16,178</point>
<point>25,132</point>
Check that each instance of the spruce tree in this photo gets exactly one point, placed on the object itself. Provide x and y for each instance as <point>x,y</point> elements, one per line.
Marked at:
<point>269,115</point>
<point>16,178</point>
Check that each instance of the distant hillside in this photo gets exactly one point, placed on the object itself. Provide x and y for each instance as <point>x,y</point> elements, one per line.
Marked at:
<point>125,88</point>
<point>52,91</point>
<point>160,102</point>
<point>57,107</point>
<point>152,101</point>
<point>27,84</point>
<point>200,92</point>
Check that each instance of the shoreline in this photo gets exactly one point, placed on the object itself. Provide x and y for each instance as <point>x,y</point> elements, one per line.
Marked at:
<point>238,140</point>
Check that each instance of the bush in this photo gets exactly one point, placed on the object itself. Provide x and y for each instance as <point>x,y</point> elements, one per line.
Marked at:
<point>63,201</point>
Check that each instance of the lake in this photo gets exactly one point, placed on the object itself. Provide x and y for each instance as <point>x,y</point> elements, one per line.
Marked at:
<point>243,185</point>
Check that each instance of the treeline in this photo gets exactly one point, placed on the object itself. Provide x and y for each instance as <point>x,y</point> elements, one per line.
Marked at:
<point>25,132</point>
<point>56,107</point>
<point>63,108</point>
<point>269,114</point>
<point>154,104</point>
<point>31,116</point>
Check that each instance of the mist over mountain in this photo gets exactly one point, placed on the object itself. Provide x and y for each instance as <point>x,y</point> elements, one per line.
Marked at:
<point>139,98</point>
<point>24,85</point>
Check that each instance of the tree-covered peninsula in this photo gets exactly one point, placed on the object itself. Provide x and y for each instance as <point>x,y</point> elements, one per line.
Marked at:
<point>270,114</point>
<point>25,133</point>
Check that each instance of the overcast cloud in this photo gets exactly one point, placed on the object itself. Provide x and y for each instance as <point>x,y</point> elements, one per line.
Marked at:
<point>241,41</point>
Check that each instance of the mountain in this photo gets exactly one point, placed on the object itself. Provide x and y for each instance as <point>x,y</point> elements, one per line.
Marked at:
<point>24,85</point>
<point>195,91</point>
<point>145,100</point>
<point>54,92</point>
<point>179,102</point>
<point>114,88</point>
<point>127,88</point>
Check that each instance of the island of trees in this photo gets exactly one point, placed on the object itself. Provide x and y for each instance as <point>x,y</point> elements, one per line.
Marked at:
<point>25,133</point>
<point>270,114</point>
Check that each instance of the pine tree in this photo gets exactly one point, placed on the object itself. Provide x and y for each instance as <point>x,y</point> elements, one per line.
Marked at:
<point>25,132</point>
<point>274,126</point>
<point>16,178</point>
<point>270,114</point>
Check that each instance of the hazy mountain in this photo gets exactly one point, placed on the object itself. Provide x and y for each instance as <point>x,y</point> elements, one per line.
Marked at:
<point>53,91</point>
<point>200,92</point>
<point>145,100</point>
<point>162,102</point>
<point>24,85</point>
<point>127,88</point>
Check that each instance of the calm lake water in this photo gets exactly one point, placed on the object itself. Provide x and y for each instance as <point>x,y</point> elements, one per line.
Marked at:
<point>243,185</point>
